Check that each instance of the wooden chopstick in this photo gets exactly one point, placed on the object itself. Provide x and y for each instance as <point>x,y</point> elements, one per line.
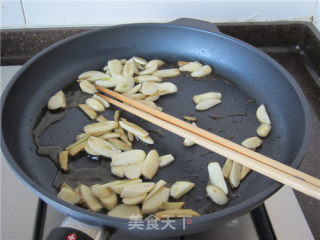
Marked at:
<point>260,167</point>
<point>274,173</point>
<point>215,138</point>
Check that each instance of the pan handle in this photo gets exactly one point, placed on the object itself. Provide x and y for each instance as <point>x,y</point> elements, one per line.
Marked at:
<point>196,23</point>
<point>75,229</point>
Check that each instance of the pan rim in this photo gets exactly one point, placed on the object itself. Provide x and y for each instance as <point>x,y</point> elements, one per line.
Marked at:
<point>100,219</point>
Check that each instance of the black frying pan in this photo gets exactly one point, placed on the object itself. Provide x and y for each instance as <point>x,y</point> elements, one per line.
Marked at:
<point>254,74</point>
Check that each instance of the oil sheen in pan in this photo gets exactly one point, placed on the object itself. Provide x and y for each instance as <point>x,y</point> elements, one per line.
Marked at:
<point>57,129</point>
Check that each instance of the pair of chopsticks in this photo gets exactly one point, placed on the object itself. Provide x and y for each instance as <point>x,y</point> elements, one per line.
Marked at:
<point>267,166</point>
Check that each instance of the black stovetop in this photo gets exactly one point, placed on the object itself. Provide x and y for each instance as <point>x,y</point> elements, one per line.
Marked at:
<point>295,45</point>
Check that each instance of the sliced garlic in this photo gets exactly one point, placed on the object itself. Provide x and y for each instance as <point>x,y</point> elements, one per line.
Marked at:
<point>159,63</point>
<point>202,71</point>
<point>118,170</point>
<point>167,73</point>
<point>135,129</point>
<point>130,136</point>
<point>188,142</point>
<point>207,103</point>
<point>57,101</point>
<point>63,160</point>
<point>154,97</point>
<point>100,191</point>
<point>147,78</point>
<point>101,100</point>
<point>244,172</point>
<point>128,68</point>
<point>133,171</point>
<point>89,74</point>
<point>198,98</point>
<point>81,135</point>
<point>181,63</point>
<point>179,188</point>
<point>190,119</point>
<point>109,202</point>
<point>133,90</point>
<point>137,189</point>
<point>153,204</point>
<point>147,140</point>
<point>123,61</point>
<point>118,185</point>
<point>172,205</point>
<point>134,200</point>
<point>119,144</point>
<point>90,151</point>
<point>102,147</point>
<point>79,143</point>
<point>262,115</point>
<point>124,84</point>
<point>115,67</point>
<point>151,164</point>
<point>91,201</point>
<point>149,88</point>
<point>123,136</point>
<point>252,143</point>
<point>190,66</point>
<point>160,184</point>
<point>88,111</point>
<point>140,60</point>
<point>77,147</point>
<point>176,213</point>
<point>87,87</point>
<point>226,169</point>
<point>101,119</point>
<point>109,82</point>
<point>167,88</point>
<point>110,135</point>
<point>264,129</point>
<point>217,195</point>
<point>150,70</point>
<point>216,176</point>
<point>166,160</point>
<point>137,96</point>
<point>95,104</point>
<point>92,76</point>
<point>100,127</point>
<point>105,68</point>
<point>235,174</point>
<point>128,157</point>
<point>125,211</point>
<point>69,196</point>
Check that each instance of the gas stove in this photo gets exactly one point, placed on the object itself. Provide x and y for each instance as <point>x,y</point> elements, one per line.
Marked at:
<point>296,46</point>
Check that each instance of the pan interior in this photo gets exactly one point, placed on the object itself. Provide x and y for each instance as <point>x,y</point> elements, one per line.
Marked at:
<point>254,76</point>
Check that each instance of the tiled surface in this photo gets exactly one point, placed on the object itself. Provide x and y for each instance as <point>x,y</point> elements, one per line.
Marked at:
<point>12,13</point>
<point>48,13</point>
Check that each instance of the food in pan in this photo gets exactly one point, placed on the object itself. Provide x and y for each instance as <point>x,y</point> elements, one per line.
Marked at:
<point>207,100</point>
<point>187,142</point>
<point>264,129</point>
<point>141,80</point>
<point>252,143</point>
<point>57,101</point>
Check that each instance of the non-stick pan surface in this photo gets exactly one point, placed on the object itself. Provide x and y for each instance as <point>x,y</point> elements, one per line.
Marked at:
<point>255,76</point>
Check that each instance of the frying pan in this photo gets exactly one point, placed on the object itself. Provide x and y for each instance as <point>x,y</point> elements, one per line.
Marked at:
<point>256,79</point>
